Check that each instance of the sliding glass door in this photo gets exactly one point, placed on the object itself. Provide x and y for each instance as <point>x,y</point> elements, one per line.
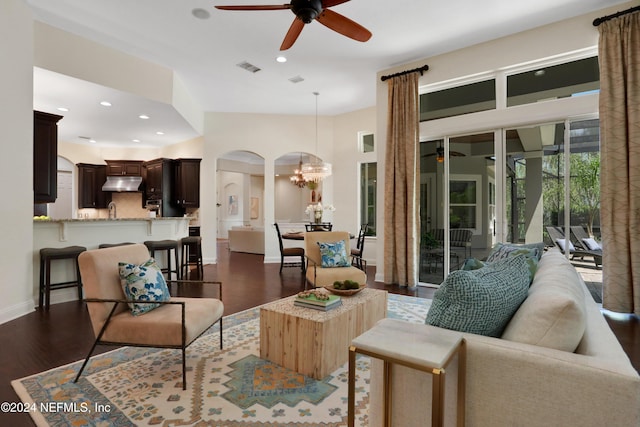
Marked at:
<point>457,194</point>
<point>469,201</point>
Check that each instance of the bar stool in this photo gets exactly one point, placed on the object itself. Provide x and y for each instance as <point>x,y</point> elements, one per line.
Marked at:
<point>50,254</point>
<point>165,245</point>
<point>191,255</point>
<point>112,245</point>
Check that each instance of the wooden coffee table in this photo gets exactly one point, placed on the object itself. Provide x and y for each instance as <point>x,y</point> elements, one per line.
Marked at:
<point>313,342</point>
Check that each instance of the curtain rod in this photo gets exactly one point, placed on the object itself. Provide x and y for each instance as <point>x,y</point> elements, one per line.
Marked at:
<point>402,73</point>
<point>599,21</point>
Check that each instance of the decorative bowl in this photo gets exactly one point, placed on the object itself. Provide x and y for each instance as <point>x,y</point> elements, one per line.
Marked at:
<point>344,292</point>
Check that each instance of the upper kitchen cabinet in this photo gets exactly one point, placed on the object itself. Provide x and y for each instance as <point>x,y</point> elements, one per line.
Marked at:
<point>188,182</point>
<point>159,176</point>
<point>90,181</point>
<point>124,167</point>
<point>45,157</point>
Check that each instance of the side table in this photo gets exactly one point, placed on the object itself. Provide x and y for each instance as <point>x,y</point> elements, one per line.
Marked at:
<point>431,351</point>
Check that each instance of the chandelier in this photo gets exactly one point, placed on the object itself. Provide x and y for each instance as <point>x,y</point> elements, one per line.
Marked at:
<point>297,179</point>
<point>316,170</point>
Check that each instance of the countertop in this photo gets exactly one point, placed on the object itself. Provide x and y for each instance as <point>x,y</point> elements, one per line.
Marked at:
<point>110,219</point>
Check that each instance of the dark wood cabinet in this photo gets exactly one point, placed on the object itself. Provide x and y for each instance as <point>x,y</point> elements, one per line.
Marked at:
<point>124,167</point>
<point>90,181</point>
<point>159,177</point>
<point>188,182</point>
<point>45,157</point>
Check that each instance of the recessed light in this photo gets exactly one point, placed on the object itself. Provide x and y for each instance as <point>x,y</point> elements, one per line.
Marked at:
<point>105,104</point>
<point>143,116</point>
<point>62,109</point>
<point>200,13</point>
<point>93,141</point>
<point>281,59</point>
<point>159,133</point>
<point>539,73</point>
<point>135,140</point>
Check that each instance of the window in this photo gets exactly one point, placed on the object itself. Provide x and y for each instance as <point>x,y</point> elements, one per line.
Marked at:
<point>463,204</point>
<point>559,81</point>
<point>469,98</point>
<point>366,142</point>
<point>368,186</point>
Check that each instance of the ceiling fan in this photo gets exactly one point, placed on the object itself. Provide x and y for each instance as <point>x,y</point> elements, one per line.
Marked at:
<point>308,10</point>
<point>440,154</point>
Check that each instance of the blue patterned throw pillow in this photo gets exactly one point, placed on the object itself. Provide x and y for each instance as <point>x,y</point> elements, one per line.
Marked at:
<point>143,283</point>
<point>481,301</point>
<point>532,252</point>
<point>333,254</point>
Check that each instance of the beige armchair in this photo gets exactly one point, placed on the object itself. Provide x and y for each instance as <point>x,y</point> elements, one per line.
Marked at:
<point>174,324</point>
<point>319,276</point>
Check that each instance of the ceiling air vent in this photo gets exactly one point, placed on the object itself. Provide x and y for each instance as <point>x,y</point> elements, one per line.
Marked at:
<point>249,67</point>
<point>296,79</point>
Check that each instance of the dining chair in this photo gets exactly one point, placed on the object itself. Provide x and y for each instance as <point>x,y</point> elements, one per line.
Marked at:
<point>321,226</point>
<point>289,252</point>
<point>356,253</point>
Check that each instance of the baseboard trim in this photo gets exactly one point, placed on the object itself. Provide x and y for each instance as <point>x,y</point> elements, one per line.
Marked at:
<point>15,311</point>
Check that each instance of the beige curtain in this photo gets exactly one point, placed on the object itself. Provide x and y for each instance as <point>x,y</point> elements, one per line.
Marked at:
<point>401,204</point>
<point>619,51</point>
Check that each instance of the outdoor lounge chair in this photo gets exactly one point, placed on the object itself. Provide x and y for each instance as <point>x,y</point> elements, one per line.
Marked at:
<point>577,250</point>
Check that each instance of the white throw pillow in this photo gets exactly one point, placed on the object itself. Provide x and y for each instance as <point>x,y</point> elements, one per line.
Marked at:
<point>592,244</point>
<point>561,243</point>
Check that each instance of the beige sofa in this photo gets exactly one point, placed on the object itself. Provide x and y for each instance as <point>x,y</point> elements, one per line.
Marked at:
<point>523,378</point>
<point>246,239</point>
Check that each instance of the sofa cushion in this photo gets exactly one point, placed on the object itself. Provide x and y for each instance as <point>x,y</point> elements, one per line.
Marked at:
<point>554,313</point>
<point>481,301</point>
<point>143,282</point>
<point>591,244</point>
<point>333,254</point>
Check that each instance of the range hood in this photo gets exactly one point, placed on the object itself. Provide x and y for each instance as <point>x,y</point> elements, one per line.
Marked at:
<point>122,183</point>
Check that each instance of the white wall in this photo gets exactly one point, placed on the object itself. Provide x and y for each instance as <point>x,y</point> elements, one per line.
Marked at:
<point>269,136</point>
<point>16,110</point>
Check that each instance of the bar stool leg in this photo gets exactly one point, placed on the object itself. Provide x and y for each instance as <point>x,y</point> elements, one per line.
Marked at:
<point>42,272</point>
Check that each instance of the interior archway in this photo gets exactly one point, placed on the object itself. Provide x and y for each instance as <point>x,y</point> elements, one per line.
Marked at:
<point>240,191</point>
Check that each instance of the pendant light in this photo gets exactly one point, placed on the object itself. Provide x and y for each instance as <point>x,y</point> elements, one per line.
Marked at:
<point>297,179</point>
<point>316,170</point>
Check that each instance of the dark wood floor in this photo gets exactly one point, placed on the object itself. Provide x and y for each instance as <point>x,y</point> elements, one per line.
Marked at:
<point>44,340</point>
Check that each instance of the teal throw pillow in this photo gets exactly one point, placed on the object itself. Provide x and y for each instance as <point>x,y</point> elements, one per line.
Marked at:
<point>531,252</point>
<point>481,301</point>
<point>506,247</point>
<point>143,282</point>
<point>333,254</point>
<point>472,264</point>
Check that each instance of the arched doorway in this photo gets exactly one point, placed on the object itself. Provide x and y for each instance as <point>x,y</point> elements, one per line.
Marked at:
<point>240,191</point>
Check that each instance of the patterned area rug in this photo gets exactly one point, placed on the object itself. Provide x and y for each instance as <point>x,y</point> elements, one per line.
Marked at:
<point>230,387</point>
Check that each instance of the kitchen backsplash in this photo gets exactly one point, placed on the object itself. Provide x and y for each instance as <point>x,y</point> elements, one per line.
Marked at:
<point>129,205</point>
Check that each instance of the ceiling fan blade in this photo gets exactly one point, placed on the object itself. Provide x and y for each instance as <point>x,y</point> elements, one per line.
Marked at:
<point>331,3</point>
<point>343,25</point>
<point>292,35</point>
<point>265,7</point>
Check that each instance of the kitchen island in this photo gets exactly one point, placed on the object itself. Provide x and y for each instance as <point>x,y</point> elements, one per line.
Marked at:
<point>92,232</point>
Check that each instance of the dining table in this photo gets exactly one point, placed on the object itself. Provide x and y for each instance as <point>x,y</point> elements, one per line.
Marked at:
<point>299,235</point>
